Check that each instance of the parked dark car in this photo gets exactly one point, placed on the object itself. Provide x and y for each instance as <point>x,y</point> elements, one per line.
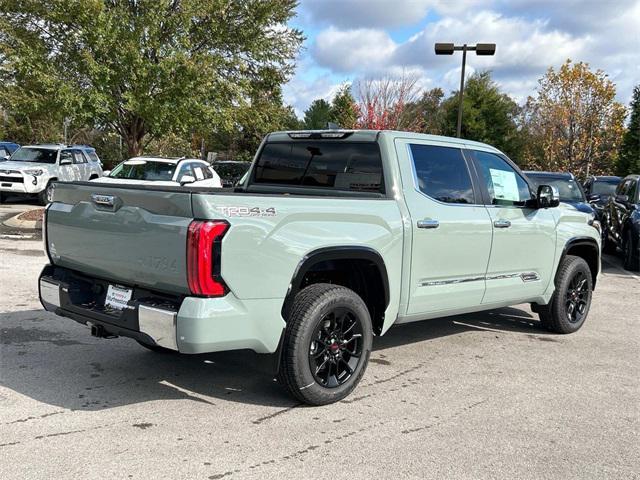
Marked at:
<point>569,189</point>
<point>622,222</point>
<point>598,189</point>
<point>230,171</point>
<point>6,149</point>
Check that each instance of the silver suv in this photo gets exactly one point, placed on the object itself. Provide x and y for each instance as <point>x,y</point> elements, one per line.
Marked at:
<point>32,169</point>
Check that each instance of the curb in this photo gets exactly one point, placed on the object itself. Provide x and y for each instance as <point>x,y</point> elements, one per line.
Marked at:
<point>15,222</point>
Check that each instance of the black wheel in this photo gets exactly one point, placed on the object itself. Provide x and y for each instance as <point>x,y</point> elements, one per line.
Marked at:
<point>327,344</point>
<point>630,252</point>
<point>2,197</point>
<point>156,348</point>
<point>607,245</point>
<point>570,303</point>
<point>46,196</point>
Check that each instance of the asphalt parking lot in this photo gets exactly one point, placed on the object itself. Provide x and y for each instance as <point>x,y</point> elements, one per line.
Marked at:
<point>486,395</point>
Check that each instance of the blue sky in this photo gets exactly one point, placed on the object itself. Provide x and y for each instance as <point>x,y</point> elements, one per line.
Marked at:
<point>349,40</point>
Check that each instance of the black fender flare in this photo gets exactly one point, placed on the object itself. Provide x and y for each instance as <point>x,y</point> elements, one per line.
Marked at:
<point>346,252</point>
<point>584,242</point>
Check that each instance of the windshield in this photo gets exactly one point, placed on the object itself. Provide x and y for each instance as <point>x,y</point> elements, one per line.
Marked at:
<point>604,188</point>
<point>568,188</point>
<point>154,171</point>
<point>34,155</point>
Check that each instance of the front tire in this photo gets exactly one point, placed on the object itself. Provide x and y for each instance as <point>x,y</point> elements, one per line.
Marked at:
<point>46,196</point>
<point>327,344</point>
<point>631,256</point>
<point>571,301</point>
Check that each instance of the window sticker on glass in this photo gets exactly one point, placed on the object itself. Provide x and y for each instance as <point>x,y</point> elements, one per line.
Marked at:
<point>199,174</point>
<point>505,185</point>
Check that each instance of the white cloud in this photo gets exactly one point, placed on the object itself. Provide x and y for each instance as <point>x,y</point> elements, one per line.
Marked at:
<point>357,50</point>
<point>357,40</point>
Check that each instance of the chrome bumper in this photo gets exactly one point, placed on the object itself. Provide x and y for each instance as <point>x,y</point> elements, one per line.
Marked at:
<point>158,324</point>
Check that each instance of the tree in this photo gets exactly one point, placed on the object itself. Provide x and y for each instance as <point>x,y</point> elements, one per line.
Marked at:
<point>382,102</point>
<point>426,114</point>
<point>574,122</point>
<point>488,115</point>
<point>317,115</point>
<point>344,110</point>
<point>629,157</point>
<point>144,68</point>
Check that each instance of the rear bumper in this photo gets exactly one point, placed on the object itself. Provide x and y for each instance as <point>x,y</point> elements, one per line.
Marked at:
<point>186,324</point>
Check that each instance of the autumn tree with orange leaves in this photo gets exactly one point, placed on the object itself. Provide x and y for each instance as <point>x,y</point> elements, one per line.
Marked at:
<point>573,123</point>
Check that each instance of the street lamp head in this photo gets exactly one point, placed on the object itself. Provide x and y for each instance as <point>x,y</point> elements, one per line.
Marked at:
<point>485,48</point>
<point>444,48</point>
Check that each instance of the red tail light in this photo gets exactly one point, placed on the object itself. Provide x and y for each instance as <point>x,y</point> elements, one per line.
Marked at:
<point>204,244</point>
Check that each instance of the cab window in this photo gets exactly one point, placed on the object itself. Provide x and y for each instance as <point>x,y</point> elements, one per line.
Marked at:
<point>442,174</point>
<point>504,184</point>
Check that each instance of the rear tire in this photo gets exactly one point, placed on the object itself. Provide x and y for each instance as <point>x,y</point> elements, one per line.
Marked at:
<point>327,344</point>
<point>569,306</point>
<point>629,250</point>
<point>2,197</point>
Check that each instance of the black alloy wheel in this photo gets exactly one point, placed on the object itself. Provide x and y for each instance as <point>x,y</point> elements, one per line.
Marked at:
<point>577,297</point>
<point>336,347</point>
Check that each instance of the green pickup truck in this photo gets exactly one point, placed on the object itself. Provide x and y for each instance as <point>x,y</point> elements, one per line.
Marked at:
<point>332,237</point>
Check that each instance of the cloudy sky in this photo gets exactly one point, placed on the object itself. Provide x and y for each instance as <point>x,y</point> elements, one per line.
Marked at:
<point>352,39</point>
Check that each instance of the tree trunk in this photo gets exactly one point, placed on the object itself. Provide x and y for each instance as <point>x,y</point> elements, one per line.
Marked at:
<point>133,133</point>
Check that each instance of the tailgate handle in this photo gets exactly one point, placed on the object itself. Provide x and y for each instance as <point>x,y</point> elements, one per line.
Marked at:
<point>106,201</point>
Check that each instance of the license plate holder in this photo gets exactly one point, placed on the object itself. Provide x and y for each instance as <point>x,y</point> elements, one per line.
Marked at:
<point>118,297</point>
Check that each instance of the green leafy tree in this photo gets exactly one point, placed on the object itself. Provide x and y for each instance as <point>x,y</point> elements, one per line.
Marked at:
<point>426,114</point>
<point>488,115</point>
<point>317,115</point>
<point>629,157</point>
<point>144,68</point>
<point>344,110</point>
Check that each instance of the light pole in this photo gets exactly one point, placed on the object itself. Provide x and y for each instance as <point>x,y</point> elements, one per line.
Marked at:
<point>448,49</point>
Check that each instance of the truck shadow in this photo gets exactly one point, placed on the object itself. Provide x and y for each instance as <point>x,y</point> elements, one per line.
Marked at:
<point>55,361</point>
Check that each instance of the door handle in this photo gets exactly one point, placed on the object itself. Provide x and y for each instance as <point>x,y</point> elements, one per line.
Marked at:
<point>502,223</point>
<point>428,223</point>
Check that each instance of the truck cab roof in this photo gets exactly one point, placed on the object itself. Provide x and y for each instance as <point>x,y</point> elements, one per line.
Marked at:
<point>369,136</point>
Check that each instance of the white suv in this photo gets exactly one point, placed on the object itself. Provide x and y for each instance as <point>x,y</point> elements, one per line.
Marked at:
<point>32,169</point>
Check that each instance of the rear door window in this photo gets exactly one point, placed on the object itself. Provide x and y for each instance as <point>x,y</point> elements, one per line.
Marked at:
<point>78,157</point>
<point>334,165</point>
<point>442,173</point>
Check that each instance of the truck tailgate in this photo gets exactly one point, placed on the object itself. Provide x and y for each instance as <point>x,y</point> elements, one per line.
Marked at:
<point>136,236</point>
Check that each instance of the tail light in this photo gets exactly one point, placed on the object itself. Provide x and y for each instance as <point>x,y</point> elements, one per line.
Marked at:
<point>204,244</point>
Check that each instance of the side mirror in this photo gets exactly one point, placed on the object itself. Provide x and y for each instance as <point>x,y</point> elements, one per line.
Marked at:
<point>186,179</point>
<point>65,161</point>
<point>6,157</point>
<point>622,199</point>
<point>594,197</point>
<point>548,196</point>
<point>106,173</point>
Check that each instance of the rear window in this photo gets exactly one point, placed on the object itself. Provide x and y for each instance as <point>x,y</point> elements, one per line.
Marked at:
<point>336,165</point>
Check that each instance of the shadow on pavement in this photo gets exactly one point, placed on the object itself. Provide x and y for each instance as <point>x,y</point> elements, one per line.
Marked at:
<point>55,361</point>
